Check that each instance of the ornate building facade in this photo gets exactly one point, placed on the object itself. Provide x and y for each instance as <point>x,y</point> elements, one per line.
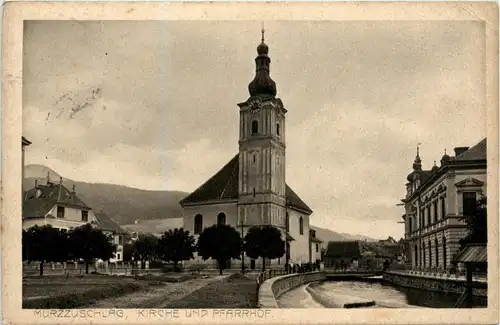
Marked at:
<point>436,202</point>
<point>251,189</point>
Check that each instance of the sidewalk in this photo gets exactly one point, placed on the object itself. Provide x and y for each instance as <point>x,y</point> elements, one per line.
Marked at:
<point>158,296</point>
<point>235,291</point>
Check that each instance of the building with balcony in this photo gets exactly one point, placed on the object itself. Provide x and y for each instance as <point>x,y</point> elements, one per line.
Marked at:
<point>436,202</point>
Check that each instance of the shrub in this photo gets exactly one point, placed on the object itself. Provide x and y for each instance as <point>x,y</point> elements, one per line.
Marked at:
<point>196,268</point>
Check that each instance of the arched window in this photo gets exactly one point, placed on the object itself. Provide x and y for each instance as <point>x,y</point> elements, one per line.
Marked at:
<point>221,218</point>
<point>415,256</point>
<point>437,251</point>
<point>430,254</point>
<point>444,252</point>
<point>277,129</point>
<point>410,224</point>
<point>423,254</point>
<point>301,225</point>
<point>287,222</point>
<point>255,127</point>
<point>198,224</point>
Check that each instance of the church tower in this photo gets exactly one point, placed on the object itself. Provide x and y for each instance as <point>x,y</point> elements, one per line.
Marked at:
<point>261,186</point>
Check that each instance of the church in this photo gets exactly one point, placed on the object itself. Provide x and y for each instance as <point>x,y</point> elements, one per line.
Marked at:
<point>251,189</point>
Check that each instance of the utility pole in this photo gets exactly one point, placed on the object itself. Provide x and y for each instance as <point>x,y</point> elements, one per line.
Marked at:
<point>287,221</point>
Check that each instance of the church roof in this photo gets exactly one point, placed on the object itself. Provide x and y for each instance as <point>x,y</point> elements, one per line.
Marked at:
<point>50,195</point>
<point>224,186</point>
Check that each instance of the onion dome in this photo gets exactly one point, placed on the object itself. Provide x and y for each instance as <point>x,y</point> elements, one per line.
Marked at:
<point>445,159</point>
<point>262,49</point>
<point>434,168</point>
<point>262,84</point>
<point>417,163</point>
<point>409,178</point>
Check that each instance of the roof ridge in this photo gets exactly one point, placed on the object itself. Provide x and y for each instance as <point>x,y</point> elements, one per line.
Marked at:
<point>224,184</point>
<point>210,179</point>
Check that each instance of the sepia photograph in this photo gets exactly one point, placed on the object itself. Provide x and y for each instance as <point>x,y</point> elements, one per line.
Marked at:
<point>255,164</point>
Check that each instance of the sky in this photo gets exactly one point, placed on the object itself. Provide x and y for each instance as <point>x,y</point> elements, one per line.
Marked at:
<point>153,105</point>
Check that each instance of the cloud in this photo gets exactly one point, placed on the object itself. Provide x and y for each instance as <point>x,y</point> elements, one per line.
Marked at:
<point>360,96</point>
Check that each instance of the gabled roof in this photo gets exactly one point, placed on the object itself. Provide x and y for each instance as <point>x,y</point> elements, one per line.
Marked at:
<point>50,195</point>
<point>294,201</point>
<point>477,152</point>
<point>105,223</point>
<point>224,186</point>
<point>348,249</point>
<point>469,181</point>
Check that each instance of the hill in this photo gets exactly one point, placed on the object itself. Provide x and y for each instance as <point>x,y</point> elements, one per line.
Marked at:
<point>123,204</point>
<point>327,235</point>
<point>154,226</point>
<point>159,226</point>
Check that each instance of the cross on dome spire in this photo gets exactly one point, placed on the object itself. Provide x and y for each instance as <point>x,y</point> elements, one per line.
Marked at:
<point>417,163</point>
<point>263,30</point>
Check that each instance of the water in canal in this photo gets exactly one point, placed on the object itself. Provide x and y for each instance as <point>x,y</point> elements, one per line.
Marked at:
<point>397,297</point>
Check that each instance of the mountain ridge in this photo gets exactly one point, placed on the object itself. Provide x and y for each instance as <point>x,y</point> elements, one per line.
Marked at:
<point>126,205</point>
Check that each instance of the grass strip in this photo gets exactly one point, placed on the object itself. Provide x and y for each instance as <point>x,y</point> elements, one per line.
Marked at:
<point>74,300</point>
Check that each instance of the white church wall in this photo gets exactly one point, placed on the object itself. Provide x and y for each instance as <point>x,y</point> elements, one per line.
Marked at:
<point>299,248</point>
<point>209,213</point>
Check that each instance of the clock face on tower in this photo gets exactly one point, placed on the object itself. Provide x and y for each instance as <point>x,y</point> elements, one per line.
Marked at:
<point>254,106</point>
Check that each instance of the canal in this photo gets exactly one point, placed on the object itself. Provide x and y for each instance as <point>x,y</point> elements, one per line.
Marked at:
<point>383,294</point>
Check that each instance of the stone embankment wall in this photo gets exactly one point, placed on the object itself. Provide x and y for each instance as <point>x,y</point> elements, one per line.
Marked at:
<point>273,288</point>
<point>435,284</point>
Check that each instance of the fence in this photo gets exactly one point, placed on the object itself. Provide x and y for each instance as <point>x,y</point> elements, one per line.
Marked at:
<point>437,272</point>
<point>271,273</point>
<point>76,269</point>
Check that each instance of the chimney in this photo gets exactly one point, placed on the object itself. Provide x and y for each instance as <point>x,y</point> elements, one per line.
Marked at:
<point>460,150</point>
<point>59,195</point>
<point>74,189</point>
<point>36,183</point>
<point>48,178</point>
